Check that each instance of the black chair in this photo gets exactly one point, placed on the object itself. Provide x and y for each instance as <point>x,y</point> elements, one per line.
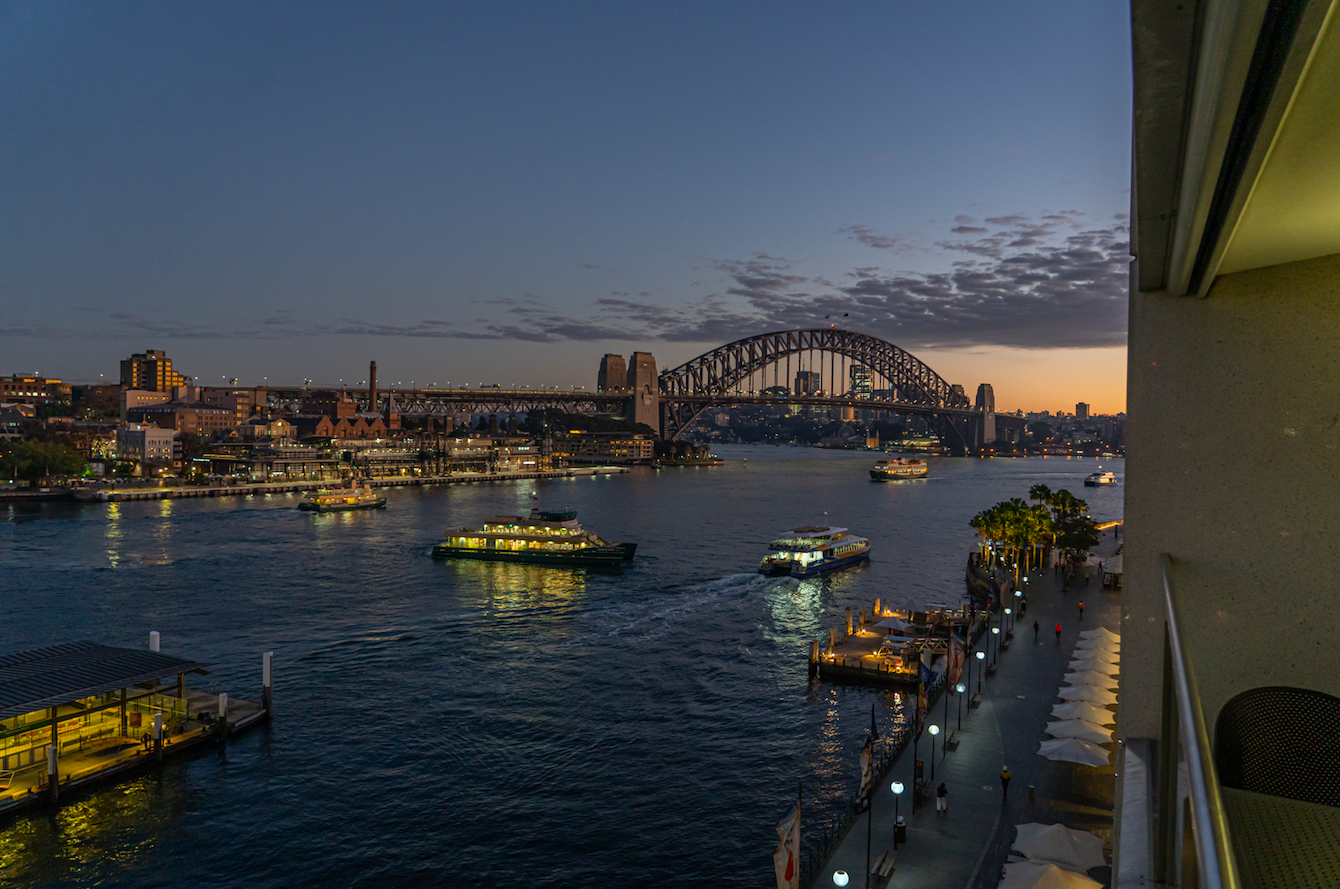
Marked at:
<point>1281,741</point>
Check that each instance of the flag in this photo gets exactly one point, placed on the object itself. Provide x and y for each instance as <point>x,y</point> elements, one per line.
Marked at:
<point>924,693</point>
<point>786,859</point>
<point>867,765</point>
<point>956,656</point>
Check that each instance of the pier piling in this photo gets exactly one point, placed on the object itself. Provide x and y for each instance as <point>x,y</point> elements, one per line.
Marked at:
<point>53,775</point>
<point>267,685</point>
<point>153,640</point>
<point>223,719</point>
<point>158,736</point>
<point>849,624</point>
<point>814,659</point>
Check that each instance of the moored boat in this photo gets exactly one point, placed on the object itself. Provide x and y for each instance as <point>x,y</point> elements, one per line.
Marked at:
<point>898,468</point>
<point>811,550</point>
<point>545,538</point>
<point>343,500</point>
<point>1098,479</point>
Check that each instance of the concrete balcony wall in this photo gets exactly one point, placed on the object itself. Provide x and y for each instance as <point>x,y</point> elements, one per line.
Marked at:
<point>1233,468</point>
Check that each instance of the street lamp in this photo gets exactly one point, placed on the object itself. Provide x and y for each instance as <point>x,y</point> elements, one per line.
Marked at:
<point>995,655</point>
<point>897,788</point>
<point>840,878</point>
<point>960,688</point>
<point>1010,631</point>
<point>981,655</point>
<point>934,730</point>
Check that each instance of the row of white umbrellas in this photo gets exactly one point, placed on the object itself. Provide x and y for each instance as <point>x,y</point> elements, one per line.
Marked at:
<point>1057,855</point>
<point>1081,723</point>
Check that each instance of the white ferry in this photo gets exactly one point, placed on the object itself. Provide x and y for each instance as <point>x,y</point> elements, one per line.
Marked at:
<point>1098,479</point>
<point>811,550</point>
<point>897,468</point>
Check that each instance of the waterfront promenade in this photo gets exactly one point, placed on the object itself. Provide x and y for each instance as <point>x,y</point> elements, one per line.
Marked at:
<point>967,846</point>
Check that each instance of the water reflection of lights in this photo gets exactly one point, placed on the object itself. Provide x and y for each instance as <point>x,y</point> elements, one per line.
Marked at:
<point>113,533</point>
<point>518,586</point>
<point>58,848</point>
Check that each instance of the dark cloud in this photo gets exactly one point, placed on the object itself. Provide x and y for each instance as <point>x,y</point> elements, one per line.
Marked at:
<point>870,239</point>
<point>968,230</point>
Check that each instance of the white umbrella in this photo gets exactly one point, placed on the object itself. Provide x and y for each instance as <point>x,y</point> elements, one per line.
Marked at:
<point>1073,750</point>
<point>1078,728</point>
<point>1100,633</point>
<point>1096,678</point>
<point>893,623</point>
<point>1085,711</point>
<point>1099,657</point>
<point>1087,693</point>
<point>1093,665</point>
<point>1091,644</point>
<point>1041,875</point>
<point>1057,844</point>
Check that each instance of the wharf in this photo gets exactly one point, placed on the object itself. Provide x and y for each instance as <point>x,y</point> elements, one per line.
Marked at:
<point>968,844</point>
<point>460,478</point>
<point>862,654</point>
<point>115,754</point>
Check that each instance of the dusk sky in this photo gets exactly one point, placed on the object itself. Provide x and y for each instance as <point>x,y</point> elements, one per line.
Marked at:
<point>498,192</point>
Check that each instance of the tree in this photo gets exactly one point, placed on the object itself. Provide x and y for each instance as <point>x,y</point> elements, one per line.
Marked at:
<point>31,460</point>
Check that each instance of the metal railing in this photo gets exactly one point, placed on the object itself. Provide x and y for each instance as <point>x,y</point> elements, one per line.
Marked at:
<point>1214,847</point>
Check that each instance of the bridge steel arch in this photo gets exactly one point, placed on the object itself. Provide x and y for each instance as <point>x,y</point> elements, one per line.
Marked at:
<point>687,390</point>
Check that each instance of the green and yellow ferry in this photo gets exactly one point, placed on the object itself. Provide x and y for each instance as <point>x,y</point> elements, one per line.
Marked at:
<point>343,499</point>
<point>545,538</point>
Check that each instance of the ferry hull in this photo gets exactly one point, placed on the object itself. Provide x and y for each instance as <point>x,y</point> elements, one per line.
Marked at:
<point>612,556</point>
<point>885,475</point>
<point>379,503</point>
<point>793,569</point>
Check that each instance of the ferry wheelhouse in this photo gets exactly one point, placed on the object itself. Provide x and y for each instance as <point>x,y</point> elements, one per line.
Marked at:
<point>811,550</point>
<point>545,537</point>
<point>343,499</point>
<point>898,468</point>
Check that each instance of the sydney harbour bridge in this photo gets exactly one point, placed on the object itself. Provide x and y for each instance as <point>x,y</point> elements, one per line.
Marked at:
<point>806,368</point>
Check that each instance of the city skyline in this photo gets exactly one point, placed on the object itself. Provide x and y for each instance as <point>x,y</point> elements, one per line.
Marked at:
<point>505,194</point>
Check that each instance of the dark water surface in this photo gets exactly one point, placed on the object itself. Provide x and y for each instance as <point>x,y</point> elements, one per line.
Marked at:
<point>442,723</point>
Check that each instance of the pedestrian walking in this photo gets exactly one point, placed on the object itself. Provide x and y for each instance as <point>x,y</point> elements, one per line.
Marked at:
<point>1036,627</point>
<point>1081,611</point>
<point>942,798</point>
<point>1086,578</point>
<point>1004,782</point>
<point>1058,634</point>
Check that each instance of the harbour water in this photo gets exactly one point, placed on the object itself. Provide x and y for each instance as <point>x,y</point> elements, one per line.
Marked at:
<point>475,724</point>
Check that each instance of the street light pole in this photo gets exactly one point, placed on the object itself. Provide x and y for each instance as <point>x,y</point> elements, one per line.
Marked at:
<point>960,689</point>
<point>897,788</point>
<point>934,730</point>
<point>981,668</point>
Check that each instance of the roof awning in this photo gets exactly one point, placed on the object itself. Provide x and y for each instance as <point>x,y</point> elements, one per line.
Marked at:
<point>47,677</point>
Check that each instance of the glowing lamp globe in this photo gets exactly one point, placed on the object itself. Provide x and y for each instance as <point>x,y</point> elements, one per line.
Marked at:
<point>896,786</point>
<point>934,730</point>
<point>840,878</point>
<point>960,688</point>
<point>981,655</point>
<point>995,631</point>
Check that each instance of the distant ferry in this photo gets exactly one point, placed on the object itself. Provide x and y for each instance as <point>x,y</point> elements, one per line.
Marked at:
<point>898,467</point>
<point>343,500</point>
<point>1100,478</point>
<point>545,538</point>
<point>810,550</point>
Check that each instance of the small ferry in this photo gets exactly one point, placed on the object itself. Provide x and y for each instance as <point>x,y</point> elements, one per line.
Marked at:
<point>898,468</point>
<point>545,538</point>
<point>1098,479</point>
<point>343,500</point>
<point>811,550</point>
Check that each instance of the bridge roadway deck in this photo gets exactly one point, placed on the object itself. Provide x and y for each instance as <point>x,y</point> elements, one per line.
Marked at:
<point>967,845</point>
